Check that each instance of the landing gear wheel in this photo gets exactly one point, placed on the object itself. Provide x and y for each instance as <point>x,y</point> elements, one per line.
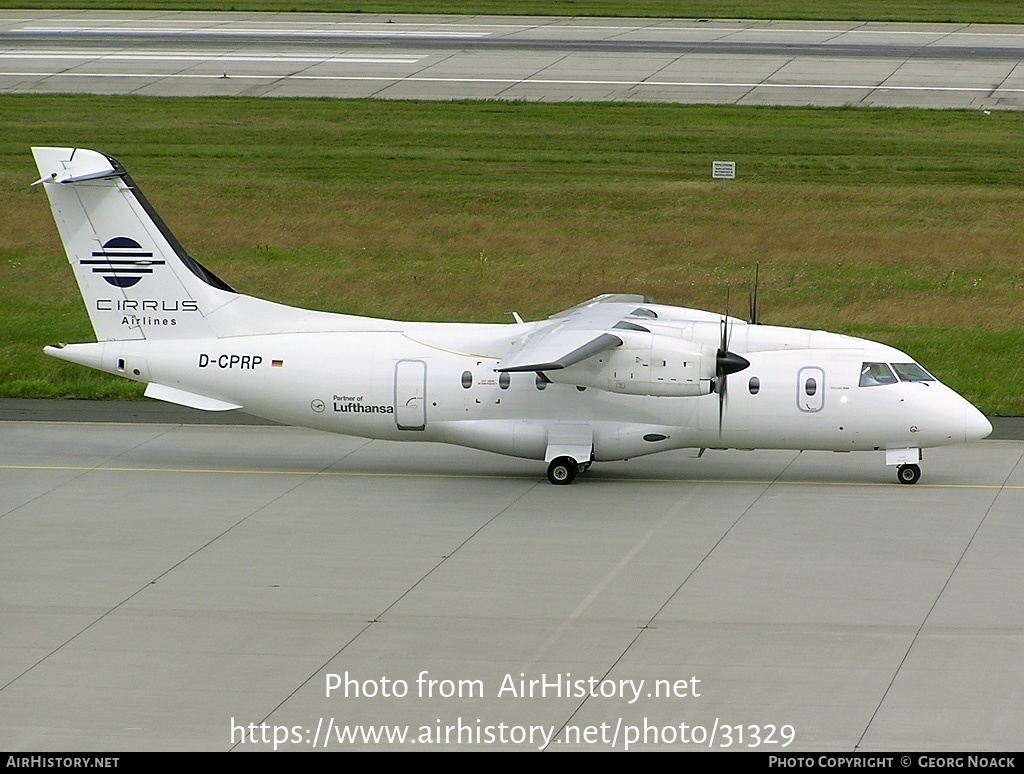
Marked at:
<point>908,474</point>
<point>562,470</point>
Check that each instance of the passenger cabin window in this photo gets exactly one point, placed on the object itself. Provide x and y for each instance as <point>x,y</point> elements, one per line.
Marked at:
<point>811,387</point>
<point>467,380</point>
<point>754,385</point>
<point>912,372</point>
<point>504,380</point>
<point>872,374</point>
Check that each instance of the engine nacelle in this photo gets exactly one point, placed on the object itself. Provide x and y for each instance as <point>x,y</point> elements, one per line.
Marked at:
<point>646,364</point>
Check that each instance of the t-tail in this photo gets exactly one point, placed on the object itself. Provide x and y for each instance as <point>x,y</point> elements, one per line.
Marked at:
<point>136,279</point>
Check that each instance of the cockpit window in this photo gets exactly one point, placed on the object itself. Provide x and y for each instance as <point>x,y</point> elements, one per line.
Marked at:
<point>912,372</point>
<point>875,373</point>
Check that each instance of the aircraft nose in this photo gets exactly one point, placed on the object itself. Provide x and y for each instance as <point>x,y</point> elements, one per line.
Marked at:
<point>976,426</point>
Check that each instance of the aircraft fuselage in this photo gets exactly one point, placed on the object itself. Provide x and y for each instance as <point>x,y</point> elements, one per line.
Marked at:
<point>401,385</point>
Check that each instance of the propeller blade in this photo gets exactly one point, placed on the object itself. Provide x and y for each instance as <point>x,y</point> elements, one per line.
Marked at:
<point>724,345</point>
<point>755,310</point>
<point>721,403</point>
<point>721,375</point>
<point>726,363</point>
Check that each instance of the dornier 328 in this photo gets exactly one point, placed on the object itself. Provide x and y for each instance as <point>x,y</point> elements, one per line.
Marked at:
<point>613,378</point>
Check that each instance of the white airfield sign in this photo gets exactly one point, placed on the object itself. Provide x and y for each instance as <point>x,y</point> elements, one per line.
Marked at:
<point>723,170</point>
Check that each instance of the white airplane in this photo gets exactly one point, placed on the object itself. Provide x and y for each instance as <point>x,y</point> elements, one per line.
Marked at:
<point>613,378</point>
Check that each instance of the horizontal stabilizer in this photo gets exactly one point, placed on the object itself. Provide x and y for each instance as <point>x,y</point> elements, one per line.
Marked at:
<point>190,399</point>
<point>71,165</point>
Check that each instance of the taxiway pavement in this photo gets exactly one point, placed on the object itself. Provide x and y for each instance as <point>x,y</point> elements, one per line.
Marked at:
<point>182,587</point>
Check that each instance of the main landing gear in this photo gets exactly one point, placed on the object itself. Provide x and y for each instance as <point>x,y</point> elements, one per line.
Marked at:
<point>563,470</point>
<point>908,474</point>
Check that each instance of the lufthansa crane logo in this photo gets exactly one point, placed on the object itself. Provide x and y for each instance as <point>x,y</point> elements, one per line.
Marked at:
<point>122,262</point>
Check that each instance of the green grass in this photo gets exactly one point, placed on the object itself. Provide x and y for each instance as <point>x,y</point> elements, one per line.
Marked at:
<point>901,225</point>
<point>976,11</point>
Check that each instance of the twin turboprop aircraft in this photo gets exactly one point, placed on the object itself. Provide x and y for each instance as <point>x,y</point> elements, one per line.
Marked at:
<point>615,377</point>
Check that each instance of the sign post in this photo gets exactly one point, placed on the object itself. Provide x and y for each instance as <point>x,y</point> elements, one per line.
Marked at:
<point>723,170</point>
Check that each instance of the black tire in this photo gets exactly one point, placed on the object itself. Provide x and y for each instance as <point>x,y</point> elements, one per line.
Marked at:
<point>908,474</point>
<point>562,470</point>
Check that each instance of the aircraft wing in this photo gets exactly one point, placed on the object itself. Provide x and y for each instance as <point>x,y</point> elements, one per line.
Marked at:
<point>553,349</point>
<point>575,334</point>
<point>600,302</point>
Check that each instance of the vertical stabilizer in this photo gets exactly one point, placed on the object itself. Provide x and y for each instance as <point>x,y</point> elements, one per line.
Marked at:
<point>136,279</point>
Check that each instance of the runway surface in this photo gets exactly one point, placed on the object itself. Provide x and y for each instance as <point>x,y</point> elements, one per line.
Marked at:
<point>544,59</point>
<point>175,586</point>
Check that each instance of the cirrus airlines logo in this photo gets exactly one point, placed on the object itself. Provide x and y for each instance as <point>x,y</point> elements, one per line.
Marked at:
<point>122,262</point>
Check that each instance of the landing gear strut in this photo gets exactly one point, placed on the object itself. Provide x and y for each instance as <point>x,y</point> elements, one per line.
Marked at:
<point>563,470</point>
<point>908,474</point>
